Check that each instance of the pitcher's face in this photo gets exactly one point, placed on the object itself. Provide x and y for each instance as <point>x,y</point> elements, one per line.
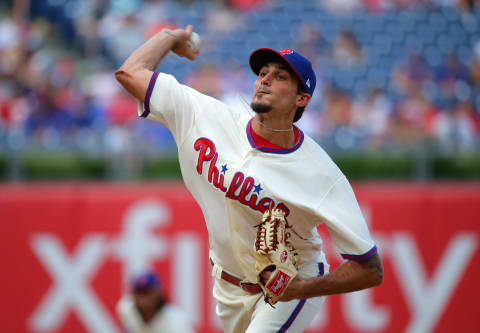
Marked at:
<point>275,88</point>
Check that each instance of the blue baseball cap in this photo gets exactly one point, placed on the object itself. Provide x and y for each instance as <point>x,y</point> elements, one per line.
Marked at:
<point>145,280</point>
<point>298,63</point>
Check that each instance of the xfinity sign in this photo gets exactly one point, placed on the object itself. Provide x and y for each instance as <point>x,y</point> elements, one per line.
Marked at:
<point>140,244</point>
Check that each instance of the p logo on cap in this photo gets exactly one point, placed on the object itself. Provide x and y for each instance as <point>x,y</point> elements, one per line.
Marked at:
<point>286,51</point>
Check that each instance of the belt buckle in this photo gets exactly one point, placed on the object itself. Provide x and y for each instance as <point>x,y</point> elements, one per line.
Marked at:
<point>246,285</point>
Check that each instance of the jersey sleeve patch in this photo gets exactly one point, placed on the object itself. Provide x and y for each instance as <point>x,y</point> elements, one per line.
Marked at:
<point>148,94</point>
<point>364,256</point>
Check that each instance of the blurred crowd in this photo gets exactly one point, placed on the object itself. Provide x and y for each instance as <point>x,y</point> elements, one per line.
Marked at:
<point>376,89</point>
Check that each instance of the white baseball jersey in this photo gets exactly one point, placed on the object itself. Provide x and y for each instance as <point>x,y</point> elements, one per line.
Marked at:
<point>234,176</point>
<point>168,319</point>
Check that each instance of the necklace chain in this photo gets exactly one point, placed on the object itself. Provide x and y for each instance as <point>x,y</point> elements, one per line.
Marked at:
<point>274,129</point>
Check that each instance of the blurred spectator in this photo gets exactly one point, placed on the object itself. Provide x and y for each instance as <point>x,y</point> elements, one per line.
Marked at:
<point>405,4</point>
<point>14,109</point>
<point>346,50</point>
<point>234,79</point>
<point>455,128</point>
<point>339,107</point>
<point>145,308</point>
<point>371,115</point>
<point>223,20</point>
<point>312,44</point>
<point>121,32</point>
<point>341,7</point>
<point>207,80</point>
<point>453,79</point>
<point>468,5</point>
<point>246,5</point>
<point>338,117</point>
<point>121,110</point>
<point>86,22</point>
<point>376,5</point>
<point>57,87</point>
<point>409,78</point>
<point>412,120</point>
<point>475,66</point>
<point>156,15</point>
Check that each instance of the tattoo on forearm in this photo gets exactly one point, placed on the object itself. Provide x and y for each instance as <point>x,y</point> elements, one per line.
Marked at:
<point>170,34</point>
<point>374,263</point>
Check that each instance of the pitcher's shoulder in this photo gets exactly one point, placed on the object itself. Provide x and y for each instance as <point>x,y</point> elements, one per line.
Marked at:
<point>316,156</point>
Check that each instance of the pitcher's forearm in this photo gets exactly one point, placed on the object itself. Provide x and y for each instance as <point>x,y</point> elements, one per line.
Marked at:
<point>348,277</point>
<point>150,54</point>
<point>134,75</point>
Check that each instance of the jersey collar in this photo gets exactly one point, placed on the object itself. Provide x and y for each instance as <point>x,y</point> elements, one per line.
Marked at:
<point>269,147</point>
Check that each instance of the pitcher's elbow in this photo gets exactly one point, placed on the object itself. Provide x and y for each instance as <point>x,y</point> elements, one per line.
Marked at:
<point>122,75</point>
<point>379,273</point>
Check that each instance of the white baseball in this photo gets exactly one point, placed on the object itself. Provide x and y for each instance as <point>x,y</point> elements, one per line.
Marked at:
<point>194,41</point>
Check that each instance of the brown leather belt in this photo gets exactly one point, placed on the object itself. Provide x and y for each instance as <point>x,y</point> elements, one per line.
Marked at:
<point>252,288</point>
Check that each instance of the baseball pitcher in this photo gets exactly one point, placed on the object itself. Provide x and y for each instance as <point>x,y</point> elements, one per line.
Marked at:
<point>263,186</point>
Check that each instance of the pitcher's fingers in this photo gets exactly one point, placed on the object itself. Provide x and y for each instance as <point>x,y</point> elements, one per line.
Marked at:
<point>189,29</point>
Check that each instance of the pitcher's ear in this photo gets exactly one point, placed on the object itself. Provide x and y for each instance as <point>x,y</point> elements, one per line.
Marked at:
<point>303,99</point>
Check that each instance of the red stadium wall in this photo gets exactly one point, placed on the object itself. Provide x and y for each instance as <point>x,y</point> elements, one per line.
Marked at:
<point>67,247</point>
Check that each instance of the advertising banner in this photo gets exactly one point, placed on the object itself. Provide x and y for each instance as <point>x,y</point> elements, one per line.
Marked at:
<point>69,248</point>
